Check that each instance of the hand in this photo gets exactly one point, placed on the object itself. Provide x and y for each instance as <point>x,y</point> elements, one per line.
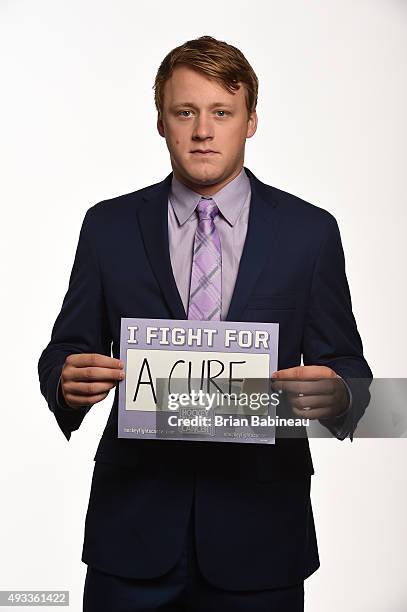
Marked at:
<point>87,378</point>
<point>315,392</point>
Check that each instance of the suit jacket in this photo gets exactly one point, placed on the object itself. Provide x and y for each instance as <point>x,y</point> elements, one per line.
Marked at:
<point>254,525</point>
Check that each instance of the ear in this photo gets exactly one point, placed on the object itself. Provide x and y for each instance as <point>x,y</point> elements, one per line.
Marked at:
<point>160,126</point>
<point>252,124</point>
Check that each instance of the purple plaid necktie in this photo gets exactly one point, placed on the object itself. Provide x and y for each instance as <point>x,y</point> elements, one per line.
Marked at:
<point>205,293</point>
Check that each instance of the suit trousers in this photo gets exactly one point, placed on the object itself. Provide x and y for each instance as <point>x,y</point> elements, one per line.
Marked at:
<point>182,589</point>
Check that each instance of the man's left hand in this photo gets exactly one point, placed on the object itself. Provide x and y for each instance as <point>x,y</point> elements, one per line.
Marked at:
<point>314,392</point>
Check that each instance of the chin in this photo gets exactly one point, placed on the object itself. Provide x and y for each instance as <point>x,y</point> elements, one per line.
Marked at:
<point>207,176</point>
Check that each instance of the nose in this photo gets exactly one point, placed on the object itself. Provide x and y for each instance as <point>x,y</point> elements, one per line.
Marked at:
<point>203,127</point>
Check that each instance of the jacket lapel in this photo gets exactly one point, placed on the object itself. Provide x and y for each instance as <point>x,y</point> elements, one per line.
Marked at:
<point>153,218</point>
<point>256,249</point>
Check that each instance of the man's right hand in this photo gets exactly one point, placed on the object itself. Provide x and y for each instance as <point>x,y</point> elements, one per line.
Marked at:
<point>87,378</point>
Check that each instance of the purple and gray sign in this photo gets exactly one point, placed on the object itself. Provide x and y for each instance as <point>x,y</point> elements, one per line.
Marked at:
<point>198,380</point>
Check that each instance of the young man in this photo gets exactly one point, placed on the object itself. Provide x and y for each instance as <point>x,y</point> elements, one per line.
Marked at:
<point>200,526</point>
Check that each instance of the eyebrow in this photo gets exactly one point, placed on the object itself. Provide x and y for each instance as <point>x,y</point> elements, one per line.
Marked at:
<point>192,105</point>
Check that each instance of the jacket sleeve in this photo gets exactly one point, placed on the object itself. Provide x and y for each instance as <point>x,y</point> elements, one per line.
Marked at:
<point>81,327</point>
<point>331,337</point>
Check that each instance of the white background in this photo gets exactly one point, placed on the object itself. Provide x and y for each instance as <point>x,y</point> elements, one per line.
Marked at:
<point>78,126</point>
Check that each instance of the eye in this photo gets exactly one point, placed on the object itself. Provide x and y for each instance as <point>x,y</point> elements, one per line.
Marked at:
<point>223,113</point>
<point>183,113</point>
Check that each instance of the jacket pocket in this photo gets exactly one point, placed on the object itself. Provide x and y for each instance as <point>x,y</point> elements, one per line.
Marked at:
<point>288,458</point>
<point>118,452</point>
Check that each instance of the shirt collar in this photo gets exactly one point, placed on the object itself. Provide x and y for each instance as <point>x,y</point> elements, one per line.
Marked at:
<point>230,199</point>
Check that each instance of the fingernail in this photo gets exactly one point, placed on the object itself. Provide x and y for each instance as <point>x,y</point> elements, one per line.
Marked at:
<point>121,375</point>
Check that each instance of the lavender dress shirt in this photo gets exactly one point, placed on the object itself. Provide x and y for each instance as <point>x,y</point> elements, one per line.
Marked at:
<point>233,202</point>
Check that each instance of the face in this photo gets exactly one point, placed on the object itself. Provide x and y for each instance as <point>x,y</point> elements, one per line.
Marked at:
<point>205,128</point>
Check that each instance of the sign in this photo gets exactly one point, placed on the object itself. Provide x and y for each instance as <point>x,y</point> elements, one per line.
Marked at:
<point>198,380</point>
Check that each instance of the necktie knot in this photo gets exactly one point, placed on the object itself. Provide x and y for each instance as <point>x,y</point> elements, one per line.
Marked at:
<point>207,209</point>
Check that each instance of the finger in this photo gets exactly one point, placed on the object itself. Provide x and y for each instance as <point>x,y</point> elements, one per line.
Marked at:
<point>308,387</point>
<point>313,413</point>
<point>311,402</point>
<point>83,360</point>
<point>88,388</point>
<point>304,372</point>
<point>80,401</point>
<point>93,374</point>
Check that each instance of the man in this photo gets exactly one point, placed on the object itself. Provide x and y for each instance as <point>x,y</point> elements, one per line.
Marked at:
<point>208,526</point>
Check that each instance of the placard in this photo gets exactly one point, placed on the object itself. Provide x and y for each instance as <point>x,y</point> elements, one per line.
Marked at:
<point>198,380</point>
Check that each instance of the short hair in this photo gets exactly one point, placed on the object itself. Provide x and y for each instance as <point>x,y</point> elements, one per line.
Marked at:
<point>216,60</point>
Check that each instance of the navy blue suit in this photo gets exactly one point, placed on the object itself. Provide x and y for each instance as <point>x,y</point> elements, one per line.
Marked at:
<point>253,518</point>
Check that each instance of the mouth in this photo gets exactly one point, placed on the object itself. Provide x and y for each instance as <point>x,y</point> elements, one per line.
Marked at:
<point>204,152</point>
